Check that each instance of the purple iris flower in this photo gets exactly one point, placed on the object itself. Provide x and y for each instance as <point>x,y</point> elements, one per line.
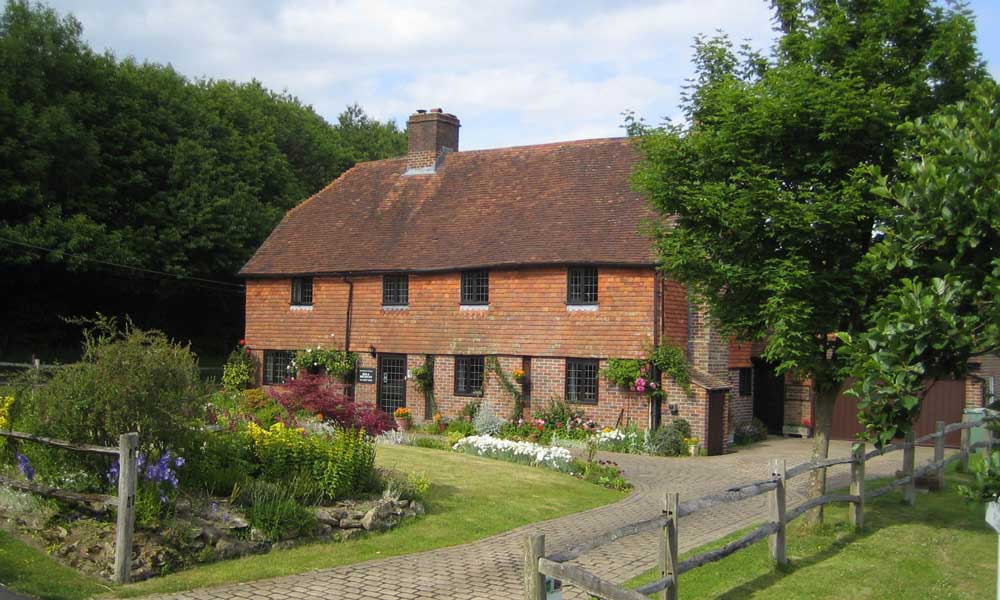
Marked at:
<point>24,466</point>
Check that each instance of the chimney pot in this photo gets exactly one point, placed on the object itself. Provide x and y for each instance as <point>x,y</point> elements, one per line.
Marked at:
<point>430,136</point>
<point>421,110</point>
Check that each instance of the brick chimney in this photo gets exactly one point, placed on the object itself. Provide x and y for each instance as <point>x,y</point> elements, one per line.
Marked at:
<point>431,135</point>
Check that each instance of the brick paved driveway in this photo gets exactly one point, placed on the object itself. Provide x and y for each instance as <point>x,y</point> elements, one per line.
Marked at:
<point>491,568</point>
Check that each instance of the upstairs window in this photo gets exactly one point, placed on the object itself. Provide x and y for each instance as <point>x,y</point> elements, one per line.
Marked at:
<point>302,291</point>
<point>581,381</point>
<point>475,287</point>
<point>581,285</point>
<point>276,366</point>
<point>395,290</point>
<point>469,375</point>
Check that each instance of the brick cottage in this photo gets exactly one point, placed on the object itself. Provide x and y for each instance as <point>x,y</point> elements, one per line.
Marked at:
<point>533,255</point>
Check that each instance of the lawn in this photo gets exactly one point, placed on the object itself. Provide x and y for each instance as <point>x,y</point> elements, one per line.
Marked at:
<point>941,548</point>
<point>470,498</point>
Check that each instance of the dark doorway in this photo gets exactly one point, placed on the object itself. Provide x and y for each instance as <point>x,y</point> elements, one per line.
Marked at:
<point>716,422</point>
<point>391,382</point>
<point>768,396</point>
<point>655,411</point>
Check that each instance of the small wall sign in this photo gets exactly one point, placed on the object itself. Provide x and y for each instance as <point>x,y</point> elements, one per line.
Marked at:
<point>366,375</point>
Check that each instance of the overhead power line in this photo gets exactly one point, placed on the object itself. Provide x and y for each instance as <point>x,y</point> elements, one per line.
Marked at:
<point>109,263</point>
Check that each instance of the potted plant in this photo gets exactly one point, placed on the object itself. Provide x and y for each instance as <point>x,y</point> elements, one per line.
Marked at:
<point>519,376</point>
<point>404,418</point>
<point>694,446</point>
<point>801,430</point>
<point>439,423</point>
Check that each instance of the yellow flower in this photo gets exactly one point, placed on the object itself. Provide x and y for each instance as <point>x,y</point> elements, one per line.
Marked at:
<point>5,405</point>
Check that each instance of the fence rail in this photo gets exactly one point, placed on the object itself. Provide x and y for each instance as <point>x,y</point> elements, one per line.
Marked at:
<point>538,566</point>
<point>128,444</point>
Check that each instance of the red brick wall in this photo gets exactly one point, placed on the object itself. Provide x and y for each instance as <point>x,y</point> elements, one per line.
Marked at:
<point>527,316</point>
<point>742,406</point>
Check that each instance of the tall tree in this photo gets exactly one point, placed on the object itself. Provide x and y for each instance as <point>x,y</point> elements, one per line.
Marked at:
<point>768,220</point>
<point>939,261</point>
<point>133,163</point>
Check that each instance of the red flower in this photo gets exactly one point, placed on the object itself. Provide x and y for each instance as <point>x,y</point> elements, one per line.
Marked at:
<point>243,342</point>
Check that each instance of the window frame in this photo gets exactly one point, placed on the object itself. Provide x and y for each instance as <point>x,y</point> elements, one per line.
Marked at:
<point>579,298</point>
<point>484,274</point>
<point>267,367</point>
<point>588,362</point>
<point>402,289</point>
<point>298,291</point>
<point>482,376</point>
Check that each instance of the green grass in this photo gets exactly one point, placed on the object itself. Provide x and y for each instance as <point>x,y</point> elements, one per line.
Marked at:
<point>470,498</point>
<point>941,548</point>
<point>31,572</point>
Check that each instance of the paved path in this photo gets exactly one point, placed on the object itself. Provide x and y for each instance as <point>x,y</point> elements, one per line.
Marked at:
<point>491,569</point>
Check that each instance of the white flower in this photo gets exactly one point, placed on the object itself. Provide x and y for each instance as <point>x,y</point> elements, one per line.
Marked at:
<point>535,454</point>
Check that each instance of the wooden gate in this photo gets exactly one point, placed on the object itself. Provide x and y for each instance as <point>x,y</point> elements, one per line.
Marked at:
<point>944,401</point>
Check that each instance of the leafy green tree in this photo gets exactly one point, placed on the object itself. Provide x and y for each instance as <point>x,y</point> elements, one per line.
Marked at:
<point>939,261</point>
<point>765,219</point>
<point>133,163</point>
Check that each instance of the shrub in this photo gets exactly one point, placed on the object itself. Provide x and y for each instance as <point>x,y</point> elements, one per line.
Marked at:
<point>226,461</point>
<point>670,439</point>
<point>128,380</point>
<point>319,395</point>
<point>238,372</point>
<point>748,433</point>
<point>460,428</point>
<point>254,399</point>
<point>623,372</point>
<point>429,442</point>
<point>602,472</point>
<point>343,463</point>
<point>399,486</point>
<point>486,422</point>
<point>273,510</point>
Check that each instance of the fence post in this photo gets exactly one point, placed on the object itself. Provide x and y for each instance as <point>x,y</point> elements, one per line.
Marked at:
<point>963,463</point>
<point>776,511</point>
<point>909,456</point>
<point>127,445</point>
<point>534,582</point>
<point>939,456</point>
<point>856,514</point>
<point>668,546</point>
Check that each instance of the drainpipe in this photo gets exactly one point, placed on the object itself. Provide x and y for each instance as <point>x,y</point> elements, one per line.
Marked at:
<point>350,307</point>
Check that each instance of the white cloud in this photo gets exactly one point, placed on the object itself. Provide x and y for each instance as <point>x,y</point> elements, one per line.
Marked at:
<point>519,71</point>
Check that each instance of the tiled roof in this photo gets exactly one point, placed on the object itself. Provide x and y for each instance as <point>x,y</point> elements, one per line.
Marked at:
<point>548,204</point>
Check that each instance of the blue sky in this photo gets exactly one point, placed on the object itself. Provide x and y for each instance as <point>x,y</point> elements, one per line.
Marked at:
<point>515,72</point>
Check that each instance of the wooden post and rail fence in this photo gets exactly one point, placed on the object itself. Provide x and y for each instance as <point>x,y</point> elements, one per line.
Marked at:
<point>124,502</point>
<point>538,565</point>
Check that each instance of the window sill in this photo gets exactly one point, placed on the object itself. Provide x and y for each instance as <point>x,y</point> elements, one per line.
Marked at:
<point>582,307</point>
<point>473,307</point>
<point>395,307</point>
<point>301,307</point>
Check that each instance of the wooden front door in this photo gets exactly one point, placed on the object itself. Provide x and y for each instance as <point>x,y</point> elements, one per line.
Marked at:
<point>391,382</point>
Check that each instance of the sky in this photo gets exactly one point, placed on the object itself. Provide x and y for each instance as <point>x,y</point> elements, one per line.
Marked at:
<point>514,71</point>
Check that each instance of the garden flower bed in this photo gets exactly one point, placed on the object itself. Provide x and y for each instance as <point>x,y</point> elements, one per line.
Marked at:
<point>221,473</point>
<point>515,451</point>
